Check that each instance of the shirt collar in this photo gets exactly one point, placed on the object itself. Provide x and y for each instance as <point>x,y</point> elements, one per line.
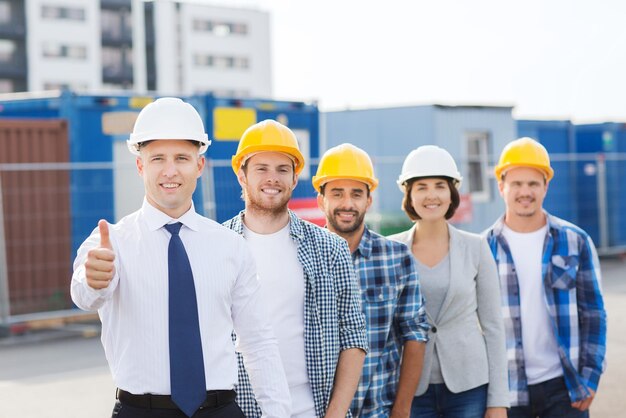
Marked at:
<point>155,219</point>
<point>365,245</point>
<point>296,229</point>
<point>498,226</point>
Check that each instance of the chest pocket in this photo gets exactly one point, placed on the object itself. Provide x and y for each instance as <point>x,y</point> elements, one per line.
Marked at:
<point>564,271</point>
<point>375,295</point>
<point>379,304</point>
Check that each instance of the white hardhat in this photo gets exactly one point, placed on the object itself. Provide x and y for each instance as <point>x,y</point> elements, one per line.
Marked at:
<point>429,161</point>
<point>168,118</point>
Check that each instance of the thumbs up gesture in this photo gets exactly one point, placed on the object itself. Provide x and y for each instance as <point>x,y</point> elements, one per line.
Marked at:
<point>99,267</point>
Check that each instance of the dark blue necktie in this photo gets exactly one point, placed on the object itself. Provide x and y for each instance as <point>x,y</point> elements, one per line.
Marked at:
<point>186,363</point>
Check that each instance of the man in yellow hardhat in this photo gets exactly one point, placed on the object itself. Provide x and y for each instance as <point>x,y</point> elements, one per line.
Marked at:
<point>307,280</point>
<point>392,302</point>
<point>553,307</point>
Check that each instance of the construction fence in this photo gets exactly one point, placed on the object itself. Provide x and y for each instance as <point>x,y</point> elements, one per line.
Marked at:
<point>48,208</point>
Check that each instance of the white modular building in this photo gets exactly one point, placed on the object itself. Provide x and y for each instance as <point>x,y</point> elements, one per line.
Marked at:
<point>171,47</point>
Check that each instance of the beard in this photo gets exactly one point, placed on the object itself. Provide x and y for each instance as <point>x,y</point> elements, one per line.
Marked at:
<point>256,203</point>
<point>343,228</point>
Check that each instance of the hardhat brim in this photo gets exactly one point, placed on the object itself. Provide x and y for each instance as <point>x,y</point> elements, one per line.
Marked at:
<point>133,147</point>
<point>500,170</point>
<point>319,181</point>
<point>403,179</point>
<point>238,159</point>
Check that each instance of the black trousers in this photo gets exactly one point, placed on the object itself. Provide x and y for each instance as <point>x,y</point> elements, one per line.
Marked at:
<point>229,410</point>
<point>548,399</point>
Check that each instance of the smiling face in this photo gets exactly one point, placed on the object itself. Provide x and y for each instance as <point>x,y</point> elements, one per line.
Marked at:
<point>345,202</point>
<point>523,190</point>
<point>267,181</point>
<point>170,169</point>
<point>431,198</point>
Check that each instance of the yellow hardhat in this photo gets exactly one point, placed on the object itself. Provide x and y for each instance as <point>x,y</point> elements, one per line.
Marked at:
<point>347,162</point>
<point>524,152</point>
<point>264,136</point>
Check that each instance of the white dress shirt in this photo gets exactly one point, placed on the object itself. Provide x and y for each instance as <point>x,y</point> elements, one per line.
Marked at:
<point>134,307</point>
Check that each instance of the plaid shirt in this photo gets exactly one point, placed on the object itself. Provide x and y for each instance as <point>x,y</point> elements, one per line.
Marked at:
<point>333,320</point>
<point>394,313</point>
<point>571,276</point>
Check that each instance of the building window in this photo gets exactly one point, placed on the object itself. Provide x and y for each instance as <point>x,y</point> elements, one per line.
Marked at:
<point>65,51</point>
<point>220,28</point>
<point>6,86</point>
<point>128,56</point>
<point>221,61</point>
<point>116,24</point>
<point>111,22</point>
<point>112,60</point>
<point>477,164</point>
<point>63,13</point>
<point>7,49</point>
<point>5,12</point>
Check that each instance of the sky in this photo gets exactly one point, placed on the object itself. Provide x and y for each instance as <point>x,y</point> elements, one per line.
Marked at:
<point>550,59</point>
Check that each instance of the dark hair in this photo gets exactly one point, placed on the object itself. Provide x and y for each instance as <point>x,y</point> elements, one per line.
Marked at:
<point>407,206</point>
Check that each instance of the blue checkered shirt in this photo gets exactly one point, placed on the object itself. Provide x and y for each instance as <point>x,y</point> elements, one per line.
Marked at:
<point>571,277</point>
<point>394,313</point>
<point>333,320</point>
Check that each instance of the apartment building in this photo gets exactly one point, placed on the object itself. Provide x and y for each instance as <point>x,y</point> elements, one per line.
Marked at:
<point>91,45</point>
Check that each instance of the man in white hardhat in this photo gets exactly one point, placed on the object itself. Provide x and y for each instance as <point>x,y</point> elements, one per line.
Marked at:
<point>396,322</point>
<point>306,277</point>
<point>170,286</point>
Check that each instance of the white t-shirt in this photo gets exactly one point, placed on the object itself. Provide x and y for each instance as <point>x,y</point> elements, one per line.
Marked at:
<point>541,356</point>
<point>282,293</point>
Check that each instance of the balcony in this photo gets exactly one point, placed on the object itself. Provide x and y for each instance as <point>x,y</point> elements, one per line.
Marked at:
<point>14,68</point>
<point>111,4</point>
<point>13,30</point>
<point>117,37</point>
<point>117,74</point>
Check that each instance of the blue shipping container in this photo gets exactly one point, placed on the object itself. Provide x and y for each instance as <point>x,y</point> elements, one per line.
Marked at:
<point>107,185</point>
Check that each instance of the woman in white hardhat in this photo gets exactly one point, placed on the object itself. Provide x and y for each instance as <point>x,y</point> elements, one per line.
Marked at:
<point>465,369</point>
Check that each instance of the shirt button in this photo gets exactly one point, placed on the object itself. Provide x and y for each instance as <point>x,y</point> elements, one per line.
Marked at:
<point>434,330</point>
<point>380,296</point>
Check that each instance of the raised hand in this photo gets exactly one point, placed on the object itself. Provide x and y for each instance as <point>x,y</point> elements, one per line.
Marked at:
<point>99,266</point>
